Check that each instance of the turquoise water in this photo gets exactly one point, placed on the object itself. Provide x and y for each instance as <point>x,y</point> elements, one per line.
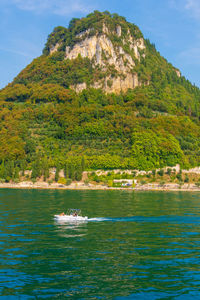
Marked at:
<point>143,245</point>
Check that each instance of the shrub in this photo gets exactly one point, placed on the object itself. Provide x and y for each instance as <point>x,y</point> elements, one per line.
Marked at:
<point>8,179</point>
<point>109,83</point>
<point>34,180</point>
<point>169,171</point>
<point>186,178</point>
<point>68,181</point>
<point>96,178</point>
<point>86,181</point>
<point>110,183</point>
<point>179,177</point>
<point>62,180</point>
<point>142,182</point>
<point>161,172</point>
<point>16,180</point>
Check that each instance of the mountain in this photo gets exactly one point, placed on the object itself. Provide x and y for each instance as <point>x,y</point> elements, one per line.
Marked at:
<point>113,49</point>
<point>101,91</point>
<point>100,51</point>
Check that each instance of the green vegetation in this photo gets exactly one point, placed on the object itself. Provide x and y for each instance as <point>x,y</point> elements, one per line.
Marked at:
<point>44,123</point>
<point>122,179</point>
<point>86,27</point>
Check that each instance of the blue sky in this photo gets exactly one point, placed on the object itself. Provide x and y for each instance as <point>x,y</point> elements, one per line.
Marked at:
<point>172,25</point>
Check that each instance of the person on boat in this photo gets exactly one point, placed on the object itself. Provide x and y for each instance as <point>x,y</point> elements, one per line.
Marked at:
<point>62,214</point>
<point>75,214</point>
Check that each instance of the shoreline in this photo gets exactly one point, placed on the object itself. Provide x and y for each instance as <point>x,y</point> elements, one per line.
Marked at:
<point>81,186</point>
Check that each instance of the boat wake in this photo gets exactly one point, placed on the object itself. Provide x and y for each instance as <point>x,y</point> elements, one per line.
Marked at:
<point>135,219</point>
<point>98,219</point>
<point>151,219</point>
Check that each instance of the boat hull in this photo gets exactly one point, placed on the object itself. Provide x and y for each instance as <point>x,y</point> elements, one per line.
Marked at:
<point>70,218</point>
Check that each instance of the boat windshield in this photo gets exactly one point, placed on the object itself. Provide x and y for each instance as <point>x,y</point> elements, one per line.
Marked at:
<point>74,212</point>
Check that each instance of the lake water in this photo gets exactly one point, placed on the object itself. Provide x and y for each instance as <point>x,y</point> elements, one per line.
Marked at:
<point>143,245</point>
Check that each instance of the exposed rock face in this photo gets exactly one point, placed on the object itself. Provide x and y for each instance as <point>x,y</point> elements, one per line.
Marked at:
<point>117,85</point>
<point>119,31</point>
<point>96,46</point>
<point>178,73</point>
<point>102,52</point>
<point>120,84</point>
<point>79,87</point>
<point>54,49</point>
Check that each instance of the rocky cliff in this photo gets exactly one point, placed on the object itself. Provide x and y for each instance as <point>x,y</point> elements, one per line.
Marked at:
<point>101,51</point>
<point>106,49</point>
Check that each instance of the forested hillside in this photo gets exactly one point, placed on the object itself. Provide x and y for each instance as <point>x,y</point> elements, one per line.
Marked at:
<point>47,119</point>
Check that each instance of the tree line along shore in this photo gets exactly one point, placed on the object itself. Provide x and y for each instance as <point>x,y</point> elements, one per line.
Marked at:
<point>169,178</point>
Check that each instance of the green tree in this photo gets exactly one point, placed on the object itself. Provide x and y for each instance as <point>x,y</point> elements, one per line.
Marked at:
<point>169,171</point>
<point>57,173</point>
<point>152,150</point>
<point>161,172</point>
<point>73,172</point>
<point>45,168</point>
<point>22,166</point>
<point>9,170</point>
<point>66,170</point>
<point>36,169</point>
<point>78,173</point>
<point>16,173</point>
<point>179,177</point>
<point>83,163</point>
<point>186,179</point>
<point>2,170</point>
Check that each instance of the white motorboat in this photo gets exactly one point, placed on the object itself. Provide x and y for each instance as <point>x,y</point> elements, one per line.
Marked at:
<point>72,215</point>
<point>70,218</point>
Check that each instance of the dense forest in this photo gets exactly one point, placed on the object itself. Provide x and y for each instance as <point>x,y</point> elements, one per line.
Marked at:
<point>44,123</point>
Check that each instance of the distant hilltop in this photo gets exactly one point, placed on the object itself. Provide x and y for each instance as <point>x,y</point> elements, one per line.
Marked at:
<point>112,55</point>
<point>110,43</point>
